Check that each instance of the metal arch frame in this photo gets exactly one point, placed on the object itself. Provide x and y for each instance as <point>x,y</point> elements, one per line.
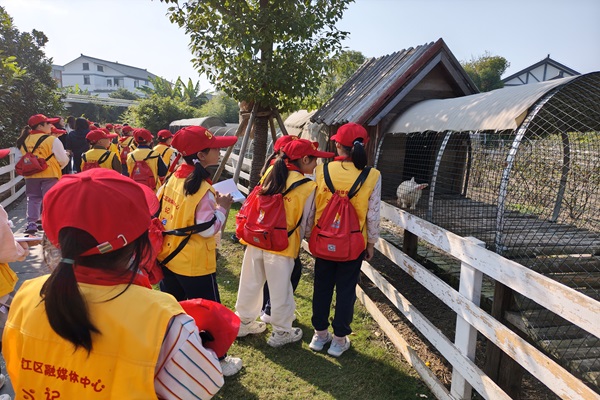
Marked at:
<point>510,161</point>
<point>436,169</point>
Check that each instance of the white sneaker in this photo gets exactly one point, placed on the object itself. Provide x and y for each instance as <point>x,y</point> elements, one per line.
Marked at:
<point>278,339</point>
<point>266,318</point>
<point>2,381</point>
<point>336,349</point>
<point>251,328</point>
<point>229,365</point>
<point>317,343</point>
<point>5,397</point>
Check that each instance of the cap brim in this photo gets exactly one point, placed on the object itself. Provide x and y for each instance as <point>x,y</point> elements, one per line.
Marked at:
<point>58,131</point>
<point>112,135</point>
<point>323,154</point>
<point>223,141</point>
<point>53,120</point>
<point>4,152</point>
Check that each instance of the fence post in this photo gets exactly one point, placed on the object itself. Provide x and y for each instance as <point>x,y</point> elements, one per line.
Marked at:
<point>466,336</point>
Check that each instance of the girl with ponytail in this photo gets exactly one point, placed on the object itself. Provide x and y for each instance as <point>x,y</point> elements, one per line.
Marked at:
<point>350,141</point>
<point>96,316</point>
<point>189,260</point>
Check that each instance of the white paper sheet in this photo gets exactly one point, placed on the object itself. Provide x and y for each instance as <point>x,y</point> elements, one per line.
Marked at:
<point>228,186</point>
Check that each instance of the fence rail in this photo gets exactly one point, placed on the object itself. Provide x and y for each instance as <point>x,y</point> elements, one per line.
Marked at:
<point>8,190</point>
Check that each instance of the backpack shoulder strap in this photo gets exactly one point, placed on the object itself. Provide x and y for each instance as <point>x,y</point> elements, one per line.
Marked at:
<point>132,157</point>
<point>187,232</point>
<point>39,142</point>
<point>83,157</point>
<point>358,182</point>
<point>327,177</point>
<point>165,151</point>
<point>103,157</point>
<point>151,155</point>
<point>295,185</point>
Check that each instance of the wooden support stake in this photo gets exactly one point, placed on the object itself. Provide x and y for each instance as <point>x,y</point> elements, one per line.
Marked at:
<point>273,132</point>
<point>245,140</point>
<point>501,368</point>
<point>238,133</point>
<point>280,122</point>
<point>410,245</point>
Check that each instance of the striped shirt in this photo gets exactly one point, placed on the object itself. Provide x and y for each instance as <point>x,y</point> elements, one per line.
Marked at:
<point>186,369</point>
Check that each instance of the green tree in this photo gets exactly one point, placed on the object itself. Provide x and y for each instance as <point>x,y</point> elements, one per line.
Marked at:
<point>31,89</point>
<point>267,53</point>
<point>221,106</point>
<point>122,93</point>
<point>486,71</point>
<point>155,112</point>
<point>338,70</point>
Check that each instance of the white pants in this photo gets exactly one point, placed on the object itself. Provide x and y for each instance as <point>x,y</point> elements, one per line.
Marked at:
<point>260,266</point>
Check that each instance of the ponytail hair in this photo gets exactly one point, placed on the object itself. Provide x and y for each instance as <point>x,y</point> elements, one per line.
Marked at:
<point>275,182</point>
<point>357,153</point>
<point>66,308</point>
<point>24,133</point>
<point>194,180</point>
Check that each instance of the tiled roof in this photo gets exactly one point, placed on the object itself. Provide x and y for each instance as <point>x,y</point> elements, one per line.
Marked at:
<point>126,70</point>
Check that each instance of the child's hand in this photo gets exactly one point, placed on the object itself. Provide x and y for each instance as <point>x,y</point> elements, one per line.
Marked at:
<point>224,200</point>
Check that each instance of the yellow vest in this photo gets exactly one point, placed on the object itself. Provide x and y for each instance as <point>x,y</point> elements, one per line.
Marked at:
<point>95,154</point>
<point>343,178</point>
<point>122,362</point>
<point>293,203</point>
<point>43,151</point>
<point>141,154</point>
<point>8,279</point>
<point>165,152</point>
<point>129,142</point>
<point>199,256</point>
<point>114,147</point>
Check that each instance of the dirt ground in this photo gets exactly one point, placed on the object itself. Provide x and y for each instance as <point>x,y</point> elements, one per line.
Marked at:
<point>442,317</point>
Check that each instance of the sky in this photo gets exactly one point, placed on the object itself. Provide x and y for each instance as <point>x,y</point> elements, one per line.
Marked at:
<point>138,32</point>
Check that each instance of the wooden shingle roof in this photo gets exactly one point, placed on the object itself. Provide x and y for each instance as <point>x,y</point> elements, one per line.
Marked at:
<point>389,84</point>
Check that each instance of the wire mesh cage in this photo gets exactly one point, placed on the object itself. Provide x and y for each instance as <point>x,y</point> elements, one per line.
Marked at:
<point>532,194</point>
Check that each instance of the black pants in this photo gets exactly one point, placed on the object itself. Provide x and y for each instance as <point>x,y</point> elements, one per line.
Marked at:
<point>295,279</point>
<point>190,287</point>
<point>343,276</point>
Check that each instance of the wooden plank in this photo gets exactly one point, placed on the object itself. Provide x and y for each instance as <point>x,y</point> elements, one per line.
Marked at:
<point>538,364</point>
<point>409,354</point>
<point>572,305</point>
<point>10,184</point>
<point>8,201</point>
<point>480,382</point>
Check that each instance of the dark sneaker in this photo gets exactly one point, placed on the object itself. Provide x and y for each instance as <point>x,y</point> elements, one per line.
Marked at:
<point>31,228</point>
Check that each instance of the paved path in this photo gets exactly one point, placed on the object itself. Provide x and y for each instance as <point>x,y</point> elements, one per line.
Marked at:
<point>32,267</point>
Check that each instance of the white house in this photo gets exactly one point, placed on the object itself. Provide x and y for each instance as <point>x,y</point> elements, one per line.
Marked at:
<point>542,71</point>
<point>100,77</point>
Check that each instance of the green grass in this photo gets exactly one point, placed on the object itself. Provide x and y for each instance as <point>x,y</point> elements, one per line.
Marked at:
<point>371,369</point>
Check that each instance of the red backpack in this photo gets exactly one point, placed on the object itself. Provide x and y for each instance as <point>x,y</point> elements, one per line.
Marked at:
<point>142,173</point>
<point>125,150</point>
<point>337,235</point>
<point>94,164</point>
<point>29,163</point>
<point>261,221</point>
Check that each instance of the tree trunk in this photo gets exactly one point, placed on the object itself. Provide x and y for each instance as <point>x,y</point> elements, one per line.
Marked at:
<point>261,124</point>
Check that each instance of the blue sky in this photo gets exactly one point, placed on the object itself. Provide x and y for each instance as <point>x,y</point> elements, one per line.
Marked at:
<point>137,32</point>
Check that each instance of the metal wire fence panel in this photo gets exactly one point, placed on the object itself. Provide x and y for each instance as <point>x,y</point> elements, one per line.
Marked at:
<point>532,195</point>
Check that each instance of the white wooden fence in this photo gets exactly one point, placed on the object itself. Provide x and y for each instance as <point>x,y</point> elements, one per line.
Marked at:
<point>14,179</point>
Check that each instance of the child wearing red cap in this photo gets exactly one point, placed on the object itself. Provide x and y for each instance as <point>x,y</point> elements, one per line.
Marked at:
<point>298,157</point>
<point>126,145</point>
<point>39,129</point>
<point>143,138</point>
<point>114,142</point>
<point>167,153</point>
<point>350,140</point>
<point>95,318</point>
<point>99,152</point>
<point>187,199</point>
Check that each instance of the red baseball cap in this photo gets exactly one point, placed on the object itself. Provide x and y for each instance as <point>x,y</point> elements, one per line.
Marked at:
<point>98,134</point>
<point>222,323</point>
<point>86,193</point>
<point>299,148</point>
<point>347,134</point>
<point>164,134</point>
<point>282,141</point>
<point>4,152</point>
<point>142,135</point>
<point>127,128</point>
<point>57,131</point>
<point>108,126</point>
<point>192,139</point>
<point>40,118</point>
